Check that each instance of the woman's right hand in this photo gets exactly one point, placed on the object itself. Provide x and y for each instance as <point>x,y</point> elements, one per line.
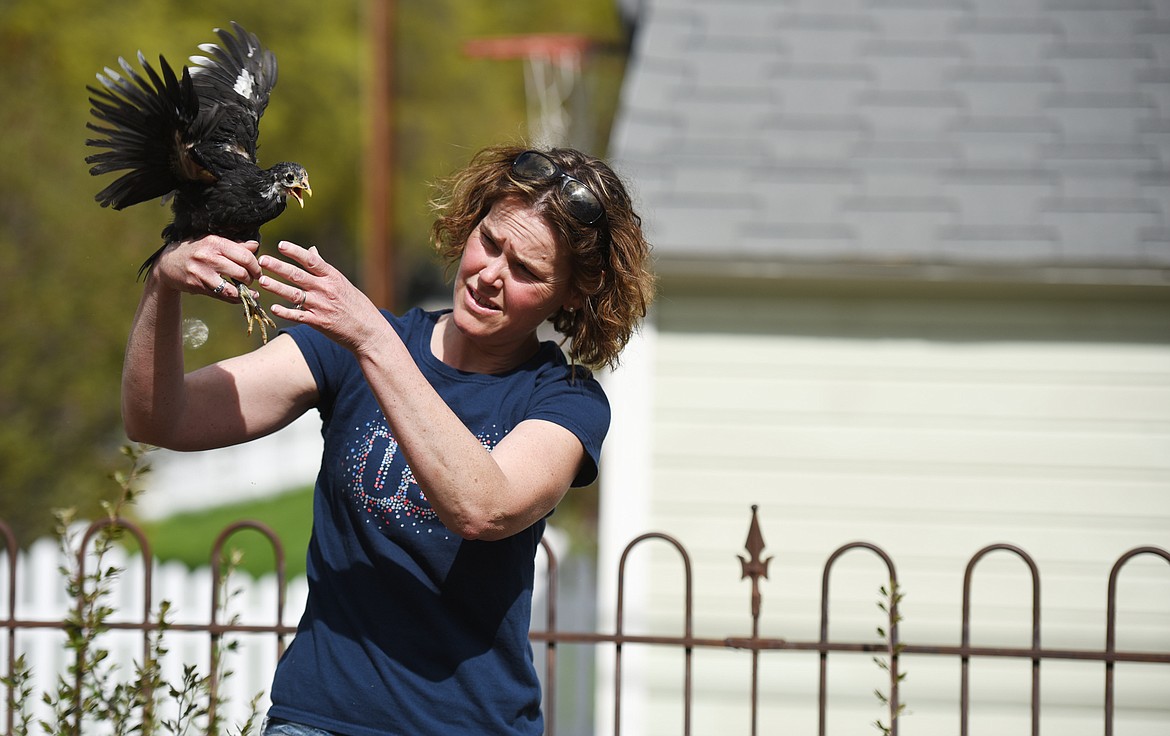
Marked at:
<point>205,265</point>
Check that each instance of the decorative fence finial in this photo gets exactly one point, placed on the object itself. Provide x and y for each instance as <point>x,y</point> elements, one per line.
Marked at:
<point>755,567</point>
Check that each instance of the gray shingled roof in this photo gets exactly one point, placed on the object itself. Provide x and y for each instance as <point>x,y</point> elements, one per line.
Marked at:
<point>1003,135</point>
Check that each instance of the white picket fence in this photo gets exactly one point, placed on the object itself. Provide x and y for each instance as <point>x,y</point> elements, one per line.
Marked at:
<point>40,596</point>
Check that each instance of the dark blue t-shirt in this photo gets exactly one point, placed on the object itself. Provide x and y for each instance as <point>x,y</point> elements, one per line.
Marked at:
<point>408,628</point>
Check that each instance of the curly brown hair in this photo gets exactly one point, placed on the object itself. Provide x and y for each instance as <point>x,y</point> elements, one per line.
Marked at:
<point>610,258</point>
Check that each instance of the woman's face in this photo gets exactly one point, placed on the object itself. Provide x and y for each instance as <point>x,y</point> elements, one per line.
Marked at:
<point>512,277</point>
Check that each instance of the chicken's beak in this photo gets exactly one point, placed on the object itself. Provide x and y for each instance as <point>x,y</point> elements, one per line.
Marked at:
<point>302,186</point>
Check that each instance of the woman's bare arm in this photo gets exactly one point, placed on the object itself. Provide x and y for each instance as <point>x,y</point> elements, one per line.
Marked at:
<point>222,404</point>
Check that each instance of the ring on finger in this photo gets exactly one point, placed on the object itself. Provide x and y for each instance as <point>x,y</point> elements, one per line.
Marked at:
<point>219,289</point>
<point>300,302</point>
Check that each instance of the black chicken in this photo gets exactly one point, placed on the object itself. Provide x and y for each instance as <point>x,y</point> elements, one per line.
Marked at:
<point>193,138</point>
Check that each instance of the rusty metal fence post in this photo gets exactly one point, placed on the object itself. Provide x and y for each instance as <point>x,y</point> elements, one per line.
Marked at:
<point>688,628</point>
<point>10,694</point>
<point>215,629</point>
<point>550,647</point>
<point>968,575</point>
<point>1111,656</point>
<point>755,567</point>
<point>824,646</point>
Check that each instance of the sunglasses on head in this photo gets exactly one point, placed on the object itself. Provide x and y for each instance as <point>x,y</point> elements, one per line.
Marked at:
<point>580,200</point>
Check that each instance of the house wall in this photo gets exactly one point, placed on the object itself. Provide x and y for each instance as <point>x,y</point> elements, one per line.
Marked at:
<point>930,424</point>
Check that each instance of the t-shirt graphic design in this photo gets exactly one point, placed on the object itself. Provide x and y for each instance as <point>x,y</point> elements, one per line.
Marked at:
<point>370,462</point>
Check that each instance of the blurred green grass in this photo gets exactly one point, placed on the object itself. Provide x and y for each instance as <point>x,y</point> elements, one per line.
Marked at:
<point>188,537</point>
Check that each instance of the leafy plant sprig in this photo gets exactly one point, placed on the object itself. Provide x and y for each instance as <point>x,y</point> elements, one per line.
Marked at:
<point>19,686</point>
<point>889,603</point>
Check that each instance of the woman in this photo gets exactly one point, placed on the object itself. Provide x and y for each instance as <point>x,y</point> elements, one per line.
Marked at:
<point>449,436</point>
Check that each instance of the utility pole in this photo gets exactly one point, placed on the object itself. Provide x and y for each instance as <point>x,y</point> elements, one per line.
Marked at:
<point>378,275</point>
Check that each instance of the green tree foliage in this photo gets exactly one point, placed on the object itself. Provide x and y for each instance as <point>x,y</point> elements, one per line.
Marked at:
<point>69,266</point>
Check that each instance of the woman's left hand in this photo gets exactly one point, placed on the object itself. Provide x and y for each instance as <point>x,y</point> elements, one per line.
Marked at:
<point>320,296</point>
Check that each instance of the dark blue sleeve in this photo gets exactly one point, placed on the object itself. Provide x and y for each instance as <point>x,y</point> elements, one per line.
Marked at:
<point>324,358</point>
<point>581,407</point>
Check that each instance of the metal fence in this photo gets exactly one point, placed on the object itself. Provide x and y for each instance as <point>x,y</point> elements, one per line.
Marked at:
<point>754,568</point>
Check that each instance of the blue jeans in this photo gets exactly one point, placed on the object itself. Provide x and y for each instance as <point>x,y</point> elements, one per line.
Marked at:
<point>277,727</point>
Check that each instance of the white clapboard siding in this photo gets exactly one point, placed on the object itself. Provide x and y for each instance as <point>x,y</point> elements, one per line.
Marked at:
<point>930,428</point>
